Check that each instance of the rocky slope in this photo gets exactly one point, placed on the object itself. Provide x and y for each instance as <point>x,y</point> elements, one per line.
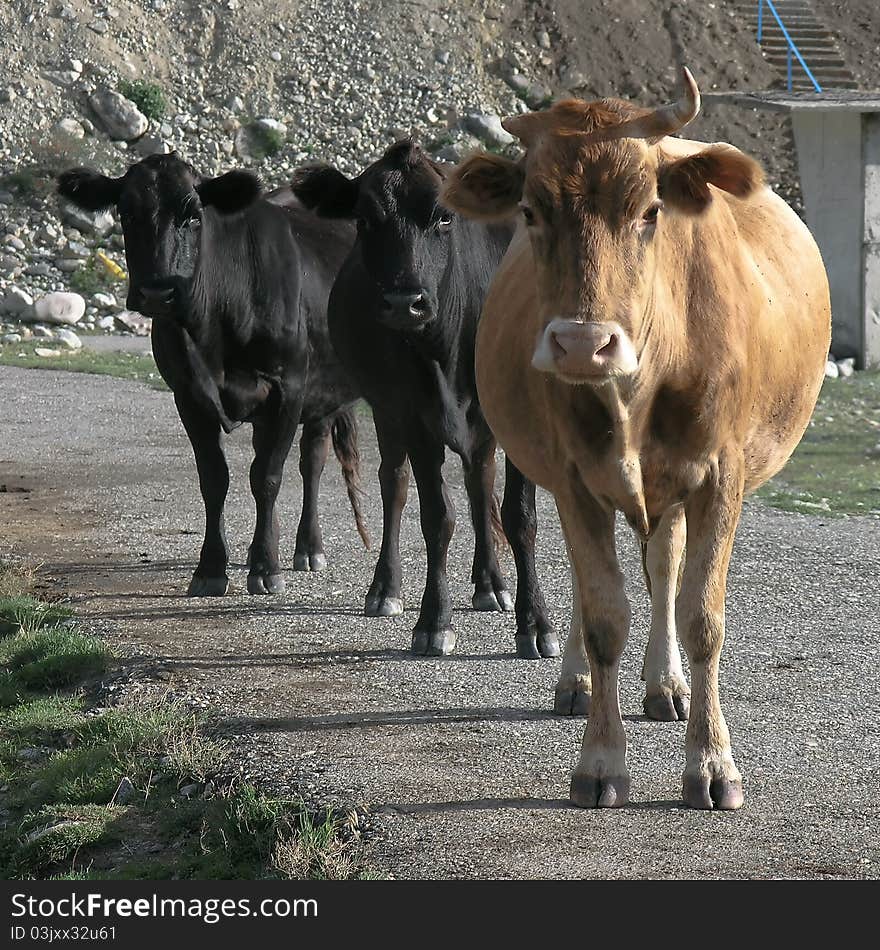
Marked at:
<point>275,83</point>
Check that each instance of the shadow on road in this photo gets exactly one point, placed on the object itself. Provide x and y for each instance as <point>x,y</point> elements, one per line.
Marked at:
<point>391,717</point>
<point>498,804</point>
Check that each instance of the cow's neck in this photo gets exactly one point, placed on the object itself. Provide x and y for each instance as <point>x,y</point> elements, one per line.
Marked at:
<point>623,401</point>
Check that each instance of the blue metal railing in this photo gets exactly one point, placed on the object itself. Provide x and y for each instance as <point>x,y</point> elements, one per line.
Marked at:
<point>792,46</point>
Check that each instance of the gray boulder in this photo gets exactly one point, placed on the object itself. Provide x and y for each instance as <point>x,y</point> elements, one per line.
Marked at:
<point>488,129</point>
<point>119,116</point>
<point>60,307</point>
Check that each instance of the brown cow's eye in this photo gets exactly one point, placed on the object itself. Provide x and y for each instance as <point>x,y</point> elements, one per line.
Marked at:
<point>650,216</point>
<point>528,215</point>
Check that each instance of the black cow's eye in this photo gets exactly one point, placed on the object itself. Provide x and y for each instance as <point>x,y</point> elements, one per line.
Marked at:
<point>528,215</point>
<point>444,222</point>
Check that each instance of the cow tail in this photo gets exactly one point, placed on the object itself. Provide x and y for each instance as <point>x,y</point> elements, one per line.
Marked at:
<point>498,535</point>
<point>344,433</point>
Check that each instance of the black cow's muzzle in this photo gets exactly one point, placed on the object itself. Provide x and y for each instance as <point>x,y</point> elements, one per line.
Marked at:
<point>405,310</point>
<point>156,301</point>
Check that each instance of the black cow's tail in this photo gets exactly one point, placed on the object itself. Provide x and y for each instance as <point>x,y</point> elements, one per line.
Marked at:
<point>344,433</point>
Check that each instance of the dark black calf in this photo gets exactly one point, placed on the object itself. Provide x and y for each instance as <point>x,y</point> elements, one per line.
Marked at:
<point>403,317</point>
<point>237,286</point>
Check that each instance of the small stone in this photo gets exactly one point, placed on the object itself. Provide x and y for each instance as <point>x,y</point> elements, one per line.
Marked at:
<point>189,791</point>
<point>47,353</point>
<point>488,129</point>
<point>16,302</point>
<point>99,26</point>
<point>93,222</point>
<point>60,307</point>
<point>39,269</point>
<point>275,56</point>
<point>107,323</point>
<point>43,333</point>
<point>71,128</point>
<point>831,369</point>
<point>134,322</point>
<point>10,267</point>
<point>104,301</point>
<point>69,265</point>
<point>544,39</point>
<point>846,367</point>
<point>15,242</point>
<point>76,249</point>
<point>441,56</point>
<point>125,791</point>
<point>11,338</point>
<point>68,338</point>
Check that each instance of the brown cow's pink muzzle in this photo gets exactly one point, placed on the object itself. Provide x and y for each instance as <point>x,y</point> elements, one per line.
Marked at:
<point>585,352</point>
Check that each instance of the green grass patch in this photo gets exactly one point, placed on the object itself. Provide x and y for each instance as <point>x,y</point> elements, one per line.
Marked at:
<point>136,791</point>
<point>835,471</point>
<point>92,278</point>
<point>147,96</point>
<point>264,141</point>
<point>140,367</point>
<point>52,658</point>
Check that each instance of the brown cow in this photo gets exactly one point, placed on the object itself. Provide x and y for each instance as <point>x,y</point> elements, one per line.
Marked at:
<point>652,343</point>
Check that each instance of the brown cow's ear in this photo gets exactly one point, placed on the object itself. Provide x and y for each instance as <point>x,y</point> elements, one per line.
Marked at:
<point>484,186</point>
<point>684,185</point>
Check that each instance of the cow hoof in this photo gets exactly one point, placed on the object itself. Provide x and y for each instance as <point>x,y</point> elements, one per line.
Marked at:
<point>531,646</point>
<point>607,791</point>
<point>265,584</point>
<point>501,602</point>
<point>309,562</point>
<point>571,702</point>
<point>208,586</point>
<point>667,707</point>
<point>433,642</point>
<point>383,607</point>
<point>702,791</point>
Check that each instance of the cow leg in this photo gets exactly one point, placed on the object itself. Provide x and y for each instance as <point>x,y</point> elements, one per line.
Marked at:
<point>314,447</point>
<point>601,778</point>
<point>535,636</point>
<point>272,440</point>
<point>490,591</point>
<point>711,779</point>
<point>433,634</point>
<point>210,578</point>
<point>667,696</point>
<point>574,687</point>
<point>383,597</point>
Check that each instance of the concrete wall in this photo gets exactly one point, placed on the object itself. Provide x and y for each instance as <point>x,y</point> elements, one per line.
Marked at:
<point>871,240</point>
<point>829,146</point>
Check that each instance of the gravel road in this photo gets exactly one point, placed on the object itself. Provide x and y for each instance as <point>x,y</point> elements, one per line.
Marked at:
<point>459,761</point>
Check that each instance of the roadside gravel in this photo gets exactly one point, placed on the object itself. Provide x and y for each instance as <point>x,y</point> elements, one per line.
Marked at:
<point>458,763</point>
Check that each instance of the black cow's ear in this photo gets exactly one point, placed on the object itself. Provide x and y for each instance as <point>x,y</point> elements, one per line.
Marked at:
<point>231,192</point>
<point>325,190</point>
<point>89,190</point>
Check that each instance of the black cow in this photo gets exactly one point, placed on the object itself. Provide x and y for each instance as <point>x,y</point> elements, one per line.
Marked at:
<point>237,287</point>
<point>403,316</point>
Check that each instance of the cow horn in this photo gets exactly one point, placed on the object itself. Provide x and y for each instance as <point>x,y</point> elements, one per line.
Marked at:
<point>663,121</point>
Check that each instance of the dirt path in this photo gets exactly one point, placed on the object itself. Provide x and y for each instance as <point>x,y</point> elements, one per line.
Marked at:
<point>459,759</point>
